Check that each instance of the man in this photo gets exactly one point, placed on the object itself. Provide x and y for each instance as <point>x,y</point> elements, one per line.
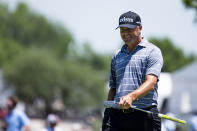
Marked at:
<point>52,121</point>
<point>135,71</point>
<point>16,120</point>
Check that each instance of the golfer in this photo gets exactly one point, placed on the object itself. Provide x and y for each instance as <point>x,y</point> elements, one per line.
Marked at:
<point>135,71</point>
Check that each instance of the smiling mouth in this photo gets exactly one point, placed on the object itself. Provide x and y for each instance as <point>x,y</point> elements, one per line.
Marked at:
<point>128,38</point>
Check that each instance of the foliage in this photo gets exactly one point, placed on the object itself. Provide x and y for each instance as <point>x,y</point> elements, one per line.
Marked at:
<point>191,4</point>
<point>86,83</point>
<point>97,61</point>
<point>174,58</point>
<point>8,51</point>
<point>34,75</point>
<point>36,58</point>
<point>39,74</point>
<point>30,29</point>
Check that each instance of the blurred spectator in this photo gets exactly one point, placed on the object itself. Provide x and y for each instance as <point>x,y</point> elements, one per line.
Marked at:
<point>3,114</point>
<point>51,123</point>
<point>16,120</point>
<point>193,122</point>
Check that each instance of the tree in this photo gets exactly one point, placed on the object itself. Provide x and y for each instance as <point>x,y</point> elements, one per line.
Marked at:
<point>33,74</point>
<point>39,74</point>
<point>191,4</point>
<point>8,51</point>
<point>88,88</point>
<point>97,61</point>
<point>33,52</point>
<point>30,29</point>
<point>174,58</point>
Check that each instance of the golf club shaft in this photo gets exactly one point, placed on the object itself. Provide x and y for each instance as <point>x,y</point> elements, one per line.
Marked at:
<point>162,116</point>
<point>114,104</point>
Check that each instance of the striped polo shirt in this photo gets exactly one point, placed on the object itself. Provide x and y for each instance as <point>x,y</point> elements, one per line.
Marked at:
<point>129,69</point>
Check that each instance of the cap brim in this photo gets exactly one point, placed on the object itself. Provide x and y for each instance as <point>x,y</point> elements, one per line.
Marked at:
<point>127,25</point>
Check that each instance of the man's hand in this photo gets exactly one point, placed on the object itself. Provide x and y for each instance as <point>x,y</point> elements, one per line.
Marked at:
<point>125,102</point>
<point>144,89</point>
<point>26,128</point>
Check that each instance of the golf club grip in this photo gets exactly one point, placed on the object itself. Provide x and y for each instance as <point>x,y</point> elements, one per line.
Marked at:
<point>171,118</point>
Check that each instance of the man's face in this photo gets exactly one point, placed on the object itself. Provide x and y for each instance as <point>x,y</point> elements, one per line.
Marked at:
<point>53,124</point>
<point>130,35</point>
<point>10,105</point>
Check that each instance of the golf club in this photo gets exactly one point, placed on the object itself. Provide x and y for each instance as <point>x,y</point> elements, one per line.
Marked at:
<point>113,104</point>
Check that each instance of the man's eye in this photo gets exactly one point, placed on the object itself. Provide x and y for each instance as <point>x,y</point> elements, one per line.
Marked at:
<point>123,30</point>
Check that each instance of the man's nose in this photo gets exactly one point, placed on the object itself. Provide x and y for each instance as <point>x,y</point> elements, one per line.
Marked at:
<point>127,32</point>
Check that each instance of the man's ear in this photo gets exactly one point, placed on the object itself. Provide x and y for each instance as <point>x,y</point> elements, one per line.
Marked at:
<point>140,27</point>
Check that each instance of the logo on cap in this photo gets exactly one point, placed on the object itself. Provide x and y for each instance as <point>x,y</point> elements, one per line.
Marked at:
<point>129,20</point>
<point>126,19</point>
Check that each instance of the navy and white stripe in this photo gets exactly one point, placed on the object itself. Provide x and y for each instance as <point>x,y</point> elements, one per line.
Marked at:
<point>129,69</point>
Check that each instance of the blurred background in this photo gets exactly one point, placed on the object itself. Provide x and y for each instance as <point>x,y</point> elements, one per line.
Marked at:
<point>55,56</point>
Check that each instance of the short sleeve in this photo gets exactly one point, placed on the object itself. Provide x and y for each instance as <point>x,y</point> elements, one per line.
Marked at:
<point>24,120</point>
<point>112,78</point>
<point>154,62</point>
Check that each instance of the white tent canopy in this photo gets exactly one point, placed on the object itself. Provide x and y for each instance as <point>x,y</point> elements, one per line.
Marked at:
<point>183,98</point>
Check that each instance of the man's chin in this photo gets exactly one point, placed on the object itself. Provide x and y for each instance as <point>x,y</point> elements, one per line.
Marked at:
<point>128,41</point>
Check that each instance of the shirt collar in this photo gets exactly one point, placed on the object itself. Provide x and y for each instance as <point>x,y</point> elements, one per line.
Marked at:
<point>124,49</point>
<point>143,43</point>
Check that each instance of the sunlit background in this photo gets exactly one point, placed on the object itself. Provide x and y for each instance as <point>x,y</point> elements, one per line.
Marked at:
<point>55,56</point>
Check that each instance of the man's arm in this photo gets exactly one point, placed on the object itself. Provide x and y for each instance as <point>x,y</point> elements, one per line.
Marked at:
<point>25,121</point>
<point>144,89</point>
<point>111,94</point>
<point>112,81</point>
